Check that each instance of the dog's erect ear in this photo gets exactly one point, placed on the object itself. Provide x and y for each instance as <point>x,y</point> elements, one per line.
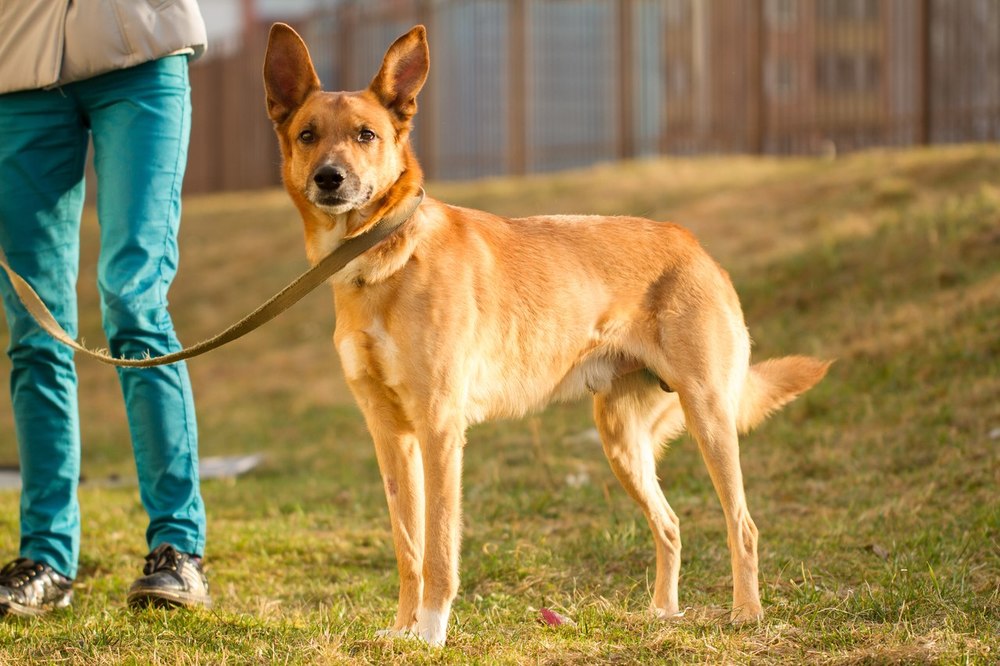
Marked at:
<point>289,76</point>
<point>404,70</point>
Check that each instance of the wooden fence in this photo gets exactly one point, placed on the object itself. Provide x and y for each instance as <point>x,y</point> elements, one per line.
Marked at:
<point>521,86</point>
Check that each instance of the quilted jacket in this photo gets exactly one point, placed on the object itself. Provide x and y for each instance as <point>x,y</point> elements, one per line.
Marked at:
<point>46,43</point>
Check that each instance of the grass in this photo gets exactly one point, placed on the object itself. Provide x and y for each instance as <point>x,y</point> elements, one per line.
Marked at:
<point>876,494</point>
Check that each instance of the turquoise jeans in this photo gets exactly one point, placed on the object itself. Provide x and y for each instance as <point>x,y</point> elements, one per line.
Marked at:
<point>139,119</point>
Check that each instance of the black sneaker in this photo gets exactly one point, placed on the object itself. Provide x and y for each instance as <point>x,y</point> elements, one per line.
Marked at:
<point>29,588</point>
<point>171,579</point>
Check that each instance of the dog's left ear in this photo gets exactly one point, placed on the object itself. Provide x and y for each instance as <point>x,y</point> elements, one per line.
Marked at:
<point>289,76</point>
<point>403,73</point>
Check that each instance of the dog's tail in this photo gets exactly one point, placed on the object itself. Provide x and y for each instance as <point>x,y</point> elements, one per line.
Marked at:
<point>774,383</point>
<point>769,386</point>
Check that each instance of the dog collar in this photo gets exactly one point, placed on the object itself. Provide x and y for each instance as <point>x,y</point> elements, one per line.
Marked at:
<point>385,226</point>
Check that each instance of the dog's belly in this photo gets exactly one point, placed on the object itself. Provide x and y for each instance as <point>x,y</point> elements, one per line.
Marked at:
<point>496,384</point>
<point>498,390</point>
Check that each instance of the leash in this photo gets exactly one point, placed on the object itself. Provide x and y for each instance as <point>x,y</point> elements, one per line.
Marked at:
<point>284,299</point>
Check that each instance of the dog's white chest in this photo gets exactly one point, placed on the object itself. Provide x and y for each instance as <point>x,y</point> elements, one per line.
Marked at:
<point>373,352</point>
<point>386,353</point>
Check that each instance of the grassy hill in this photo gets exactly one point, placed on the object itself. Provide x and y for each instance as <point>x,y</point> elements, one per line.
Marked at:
<point>876,495</point>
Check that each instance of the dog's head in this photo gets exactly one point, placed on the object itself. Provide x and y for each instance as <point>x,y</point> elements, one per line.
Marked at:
<point>344,151</point>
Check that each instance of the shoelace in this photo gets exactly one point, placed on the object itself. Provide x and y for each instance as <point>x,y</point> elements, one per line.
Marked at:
<point>162,557</point>
<point>19,572</point>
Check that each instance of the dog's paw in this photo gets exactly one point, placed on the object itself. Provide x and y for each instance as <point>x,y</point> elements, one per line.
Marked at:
<point>666,614</point>
<point>746,614</point>
<point>408,632</point>
<point>432,626</point>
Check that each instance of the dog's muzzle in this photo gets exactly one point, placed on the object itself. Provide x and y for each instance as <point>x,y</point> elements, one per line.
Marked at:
<point>331,188</point>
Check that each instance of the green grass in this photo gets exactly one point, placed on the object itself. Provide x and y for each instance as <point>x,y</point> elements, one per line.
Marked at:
<point>876,494</point>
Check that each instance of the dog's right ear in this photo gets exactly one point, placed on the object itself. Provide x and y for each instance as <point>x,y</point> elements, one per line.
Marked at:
<point>403,73</point>
<point>289,76</point>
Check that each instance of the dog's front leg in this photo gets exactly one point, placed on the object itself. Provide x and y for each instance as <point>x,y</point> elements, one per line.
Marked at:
<point>441,448</point>
<point>399,461</point>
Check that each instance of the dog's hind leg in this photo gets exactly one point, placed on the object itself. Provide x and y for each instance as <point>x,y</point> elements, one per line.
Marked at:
<point>713,424</point>
<point>635,417</point>
<point>704,355</point>
<point>708,372</point>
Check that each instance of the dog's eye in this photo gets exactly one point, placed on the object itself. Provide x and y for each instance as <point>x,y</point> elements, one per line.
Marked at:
<point>307,136</point>
<point>366,136</point>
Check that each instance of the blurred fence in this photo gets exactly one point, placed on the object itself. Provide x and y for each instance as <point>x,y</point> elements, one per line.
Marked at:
<point>808,76</point>
<point>519,86</point>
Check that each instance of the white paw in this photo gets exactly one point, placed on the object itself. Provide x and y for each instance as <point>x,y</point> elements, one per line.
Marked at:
<point>664,614</point>
<point>432,625</point>
<point>396,633</point>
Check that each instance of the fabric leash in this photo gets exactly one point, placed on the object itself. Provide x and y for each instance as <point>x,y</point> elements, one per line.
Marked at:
<point>284,299</point>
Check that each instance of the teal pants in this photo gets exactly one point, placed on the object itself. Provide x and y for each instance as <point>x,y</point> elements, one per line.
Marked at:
<point>139,119</point>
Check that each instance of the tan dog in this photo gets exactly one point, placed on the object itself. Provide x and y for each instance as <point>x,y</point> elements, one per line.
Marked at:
<point>462,316</point>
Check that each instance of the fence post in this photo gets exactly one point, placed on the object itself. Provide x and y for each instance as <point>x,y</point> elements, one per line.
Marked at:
<point>924,23</point>
<point>427,118</point>
<point>626,80</point>
<point>756,121</point>
<point>517,113</point>
<point>346,23</point>
<point>704,113</point>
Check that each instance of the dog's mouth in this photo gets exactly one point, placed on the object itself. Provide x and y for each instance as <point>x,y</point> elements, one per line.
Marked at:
<point>340,201</point>
<point>330,200</point>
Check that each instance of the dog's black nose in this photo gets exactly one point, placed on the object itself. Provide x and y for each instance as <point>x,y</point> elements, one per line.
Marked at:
<point>328,177</point>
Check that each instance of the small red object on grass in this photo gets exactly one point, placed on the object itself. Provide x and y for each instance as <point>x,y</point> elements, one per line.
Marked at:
<point>554,619</point>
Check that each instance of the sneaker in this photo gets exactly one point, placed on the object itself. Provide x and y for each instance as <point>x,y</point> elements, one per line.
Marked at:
<point>171,579</point>
<point>29,588</point>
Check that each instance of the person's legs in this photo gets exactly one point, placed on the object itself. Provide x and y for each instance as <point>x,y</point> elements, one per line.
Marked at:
<point>43,145</point>
<point>140,119</point>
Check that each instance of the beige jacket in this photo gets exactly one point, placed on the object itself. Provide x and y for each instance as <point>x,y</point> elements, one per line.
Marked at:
<point>46,43</point>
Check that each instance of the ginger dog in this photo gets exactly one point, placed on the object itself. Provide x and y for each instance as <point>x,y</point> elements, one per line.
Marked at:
<point>462,316</point>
